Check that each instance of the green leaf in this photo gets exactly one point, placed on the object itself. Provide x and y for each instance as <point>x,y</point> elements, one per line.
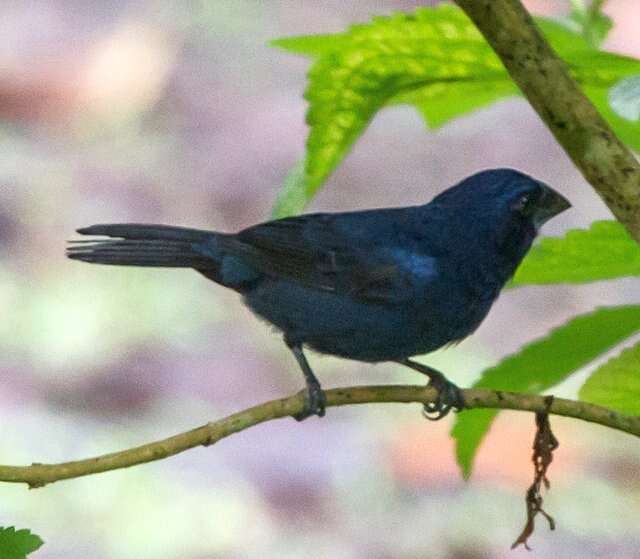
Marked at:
<point>311,45</point>
<point>435,59</point>
<point>543,364</point>
<point>441,102</point>
<point>627,130</point>
<point>591,21</point>
<point>17,544</point>
<point>292,197</point>
<point>561,37</point>
<point>604,251</point>
<point>616,384</point>
<point>371,63</point>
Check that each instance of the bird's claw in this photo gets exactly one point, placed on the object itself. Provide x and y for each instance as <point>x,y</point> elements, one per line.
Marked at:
<point>449,398</point>
<point>314,403</point>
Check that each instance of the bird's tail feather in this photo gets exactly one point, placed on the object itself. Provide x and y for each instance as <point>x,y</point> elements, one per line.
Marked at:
<point>134,244</point>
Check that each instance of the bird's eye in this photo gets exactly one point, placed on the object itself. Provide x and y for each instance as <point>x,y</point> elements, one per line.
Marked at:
<point>524,203</point>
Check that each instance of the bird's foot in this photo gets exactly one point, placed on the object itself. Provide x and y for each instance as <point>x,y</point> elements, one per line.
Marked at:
<point>314,402</point>
<point>449,398</point>
<point>449,395</point>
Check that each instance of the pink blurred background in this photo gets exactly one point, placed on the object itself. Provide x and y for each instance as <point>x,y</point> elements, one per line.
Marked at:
<point>132,110</point>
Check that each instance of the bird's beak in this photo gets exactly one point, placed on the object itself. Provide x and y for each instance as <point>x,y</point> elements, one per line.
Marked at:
<point>549,205</point>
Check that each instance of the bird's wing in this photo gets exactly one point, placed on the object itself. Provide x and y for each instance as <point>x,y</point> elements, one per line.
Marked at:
<point>328,252</point>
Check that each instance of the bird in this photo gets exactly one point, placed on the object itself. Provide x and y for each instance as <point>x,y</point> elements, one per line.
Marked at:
<point>377,285</point>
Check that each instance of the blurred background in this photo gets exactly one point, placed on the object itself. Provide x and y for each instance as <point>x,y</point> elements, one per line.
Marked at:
<point>179,113</point>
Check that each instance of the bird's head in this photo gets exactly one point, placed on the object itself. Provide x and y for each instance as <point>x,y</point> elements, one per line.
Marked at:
<point>502,207</point>
<point>505,194</point>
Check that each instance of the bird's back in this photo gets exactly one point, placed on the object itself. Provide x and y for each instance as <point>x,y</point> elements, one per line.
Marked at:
<point>375,286</point>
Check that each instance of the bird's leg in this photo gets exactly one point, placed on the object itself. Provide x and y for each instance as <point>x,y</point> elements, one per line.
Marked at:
<point>449,395</point>
<point>314,399</point>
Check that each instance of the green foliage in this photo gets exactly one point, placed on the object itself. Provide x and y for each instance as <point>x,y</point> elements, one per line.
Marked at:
<point>542,365</point>
<point>604,251</point>
<point>442,102</point>
<point>434,59</point>
<point>291,199</point>
<point>616,384</point>
<point>590,21</point>
<point>17,544</point>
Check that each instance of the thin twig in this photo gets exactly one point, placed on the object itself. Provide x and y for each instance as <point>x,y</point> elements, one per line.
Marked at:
<point>38,475</point>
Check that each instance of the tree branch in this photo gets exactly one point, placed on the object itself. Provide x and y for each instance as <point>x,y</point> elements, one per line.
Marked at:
<point>38,475</point>
<point>602,158</point>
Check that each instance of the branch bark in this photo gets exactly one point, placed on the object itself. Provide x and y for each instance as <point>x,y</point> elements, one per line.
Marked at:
<point>38,475</point>
<point>602,158</point>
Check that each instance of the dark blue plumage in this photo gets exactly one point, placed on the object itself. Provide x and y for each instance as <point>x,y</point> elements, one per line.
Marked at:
<point>375,285</point>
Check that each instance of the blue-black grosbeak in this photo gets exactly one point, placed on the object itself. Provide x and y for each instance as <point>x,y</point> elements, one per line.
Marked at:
<point>373,285</point>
